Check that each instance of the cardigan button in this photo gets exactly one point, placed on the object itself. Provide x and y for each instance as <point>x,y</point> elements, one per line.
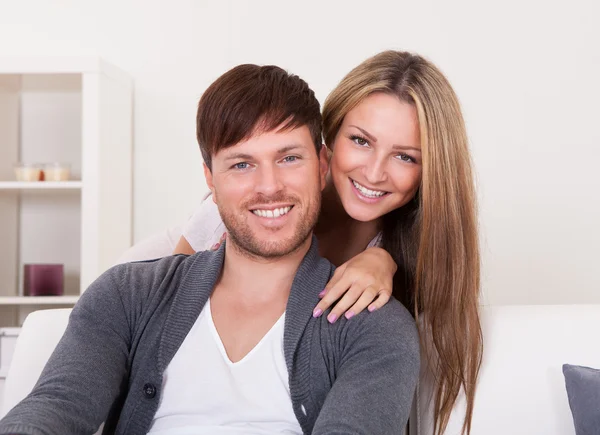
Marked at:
<point>149,391</point>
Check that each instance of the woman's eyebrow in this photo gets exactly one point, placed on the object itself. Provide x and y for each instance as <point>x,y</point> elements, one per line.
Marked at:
<point>374,139</point>
<point>405,147</point>
<point>366,133</point>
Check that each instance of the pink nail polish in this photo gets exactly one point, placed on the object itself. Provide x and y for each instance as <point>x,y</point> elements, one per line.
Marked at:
<point>317,312</point>
<point>322,293</point>
<point>332,318</point>
<point>372,308</point>
<point>349,315</point>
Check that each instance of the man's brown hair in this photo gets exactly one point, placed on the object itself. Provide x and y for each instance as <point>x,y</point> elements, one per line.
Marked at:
<point>250,99</point>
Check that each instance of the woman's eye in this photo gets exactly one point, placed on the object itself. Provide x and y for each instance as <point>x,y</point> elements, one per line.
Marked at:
<point>405,158</point>
<point>361,141</point>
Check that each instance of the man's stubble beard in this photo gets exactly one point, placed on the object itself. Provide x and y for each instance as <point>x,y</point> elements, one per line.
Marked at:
<point>241,236</point>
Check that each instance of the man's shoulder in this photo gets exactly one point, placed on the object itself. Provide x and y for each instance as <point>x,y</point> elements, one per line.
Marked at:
<point>396,315</point>
<point>147,275</point>
<point>150,270</point>
<point>391,325</point>
<point>137,283</point>
<point>163,265</point>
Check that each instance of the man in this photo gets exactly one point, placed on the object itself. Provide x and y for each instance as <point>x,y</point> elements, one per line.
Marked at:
<point>225,341</point>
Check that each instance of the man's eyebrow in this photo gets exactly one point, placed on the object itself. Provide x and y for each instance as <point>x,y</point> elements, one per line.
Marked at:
<point>288,148</point>
<point>282,150</point>
<point>366,133</point>
<point>239,156</point>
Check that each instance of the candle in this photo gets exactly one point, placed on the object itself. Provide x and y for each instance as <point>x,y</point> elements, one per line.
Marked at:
<point>56,172</point>
<point>28,172</point>
<point>43,279</point>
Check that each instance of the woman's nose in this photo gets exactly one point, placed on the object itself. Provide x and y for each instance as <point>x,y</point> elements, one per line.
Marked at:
<point>375,170</point>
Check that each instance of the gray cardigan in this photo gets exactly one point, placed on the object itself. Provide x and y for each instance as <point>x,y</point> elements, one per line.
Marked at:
<point>356,376</point>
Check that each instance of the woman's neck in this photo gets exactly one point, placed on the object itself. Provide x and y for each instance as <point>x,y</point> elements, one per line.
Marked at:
<point>340,236</point>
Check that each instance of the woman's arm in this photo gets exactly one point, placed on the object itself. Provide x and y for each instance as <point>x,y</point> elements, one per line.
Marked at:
<point>364,280</point>
<point>183,247</point>
<point>203,231</point>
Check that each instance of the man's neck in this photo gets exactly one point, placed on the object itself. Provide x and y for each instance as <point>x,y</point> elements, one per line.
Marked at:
<point>260,279</point>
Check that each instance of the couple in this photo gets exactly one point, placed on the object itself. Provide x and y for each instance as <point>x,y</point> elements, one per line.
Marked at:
<point>225,340</point>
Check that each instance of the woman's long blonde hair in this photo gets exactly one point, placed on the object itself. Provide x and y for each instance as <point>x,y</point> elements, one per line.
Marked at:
<point>433,238</point>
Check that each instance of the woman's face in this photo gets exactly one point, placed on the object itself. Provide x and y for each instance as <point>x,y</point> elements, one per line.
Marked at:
<point>376,163</point>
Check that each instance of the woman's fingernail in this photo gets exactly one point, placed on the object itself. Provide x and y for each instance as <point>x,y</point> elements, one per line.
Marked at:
<point>322,293</point>
<point>317,312</point>
<point>372,308</point>
<point>349,315</point>
<point>332,318</point>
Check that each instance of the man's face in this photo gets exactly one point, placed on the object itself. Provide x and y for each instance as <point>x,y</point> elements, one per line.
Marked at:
<point>268,191</point>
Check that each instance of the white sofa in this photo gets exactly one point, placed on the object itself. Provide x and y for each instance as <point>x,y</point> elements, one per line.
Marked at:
<point>521,388</point>
<point>39,336</point>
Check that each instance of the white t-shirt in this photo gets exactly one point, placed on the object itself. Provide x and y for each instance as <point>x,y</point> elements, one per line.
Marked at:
<point>203,231</point>
<point>205,228</point>
<point>205,393</point>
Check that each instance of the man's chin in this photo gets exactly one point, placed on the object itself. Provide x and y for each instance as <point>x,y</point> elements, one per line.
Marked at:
<point>268,249</point>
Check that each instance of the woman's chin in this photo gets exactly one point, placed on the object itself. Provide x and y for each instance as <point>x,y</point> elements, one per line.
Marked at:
<point>362,213</point>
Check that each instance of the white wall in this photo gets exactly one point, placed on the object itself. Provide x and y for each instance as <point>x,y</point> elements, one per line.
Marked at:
<point>526,72</point>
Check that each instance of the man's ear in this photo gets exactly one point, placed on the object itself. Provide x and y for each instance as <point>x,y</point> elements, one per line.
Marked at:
<point>323,165</point>
<point>209,181</point>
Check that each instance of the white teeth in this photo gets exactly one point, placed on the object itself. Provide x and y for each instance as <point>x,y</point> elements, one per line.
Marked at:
<point>272,213</point>
<point>368,192</point>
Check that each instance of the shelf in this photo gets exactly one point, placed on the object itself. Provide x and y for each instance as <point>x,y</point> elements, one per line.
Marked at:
<point>40,185</point>
<point>38,300</point>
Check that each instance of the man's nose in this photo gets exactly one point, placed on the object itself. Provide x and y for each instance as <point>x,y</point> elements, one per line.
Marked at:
<point>269,181</point>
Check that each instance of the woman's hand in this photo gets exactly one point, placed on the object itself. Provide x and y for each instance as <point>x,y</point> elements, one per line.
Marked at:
<point>365,280</point>
<point>217,245</point>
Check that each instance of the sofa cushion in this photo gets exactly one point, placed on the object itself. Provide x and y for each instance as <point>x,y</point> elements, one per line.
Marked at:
<point>583,389</point>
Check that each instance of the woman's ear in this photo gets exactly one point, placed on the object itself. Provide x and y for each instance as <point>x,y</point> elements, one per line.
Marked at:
<point>323,165</point>
<point>329,152</point>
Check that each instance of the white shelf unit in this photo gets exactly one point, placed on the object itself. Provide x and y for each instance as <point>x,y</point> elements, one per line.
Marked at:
<point>74,110</point>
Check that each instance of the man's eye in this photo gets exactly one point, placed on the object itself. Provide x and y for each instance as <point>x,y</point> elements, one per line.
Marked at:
<point>358,140</point>
<point>241,165</point>
<point>290,159</point>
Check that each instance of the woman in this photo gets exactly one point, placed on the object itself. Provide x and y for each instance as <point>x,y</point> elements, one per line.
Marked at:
<point>433,235</point>
<point>401,186</point>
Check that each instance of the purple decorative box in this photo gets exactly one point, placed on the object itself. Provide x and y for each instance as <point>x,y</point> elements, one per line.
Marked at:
<point>43,280</point>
